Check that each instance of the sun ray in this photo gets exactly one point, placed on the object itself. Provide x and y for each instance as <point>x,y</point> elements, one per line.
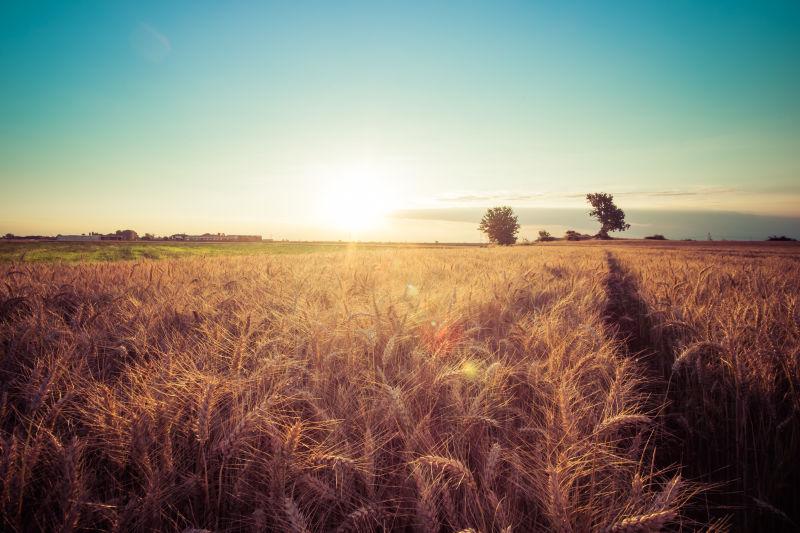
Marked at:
<point>355,199</point>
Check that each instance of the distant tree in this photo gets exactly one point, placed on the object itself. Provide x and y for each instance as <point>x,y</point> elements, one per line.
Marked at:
<point>572,235</point>
<point>127,235</point>
<point>610,217</point>
<point>9,236</point>
<point>656,237</point>
<point>544,236</point>
<point>500,224</point>
<point>781,238</point>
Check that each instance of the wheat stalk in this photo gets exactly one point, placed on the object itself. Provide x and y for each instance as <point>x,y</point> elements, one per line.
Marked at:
<point>491,464</point>
<point>360,518</point>
<point>203,421</point>
<point>614,424</point>
<point>454,467</point>
<point>646,523</point>
<point>297,522</point>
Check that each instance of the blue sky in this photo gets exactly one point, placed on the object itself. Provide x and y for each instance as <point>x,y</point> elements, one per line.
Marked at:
<point>288,118</point>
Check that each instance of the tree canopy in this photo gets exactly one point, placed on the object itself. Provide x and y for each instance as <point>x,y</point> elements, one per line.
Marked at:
<point>500,225</point>
<point>611,217</point>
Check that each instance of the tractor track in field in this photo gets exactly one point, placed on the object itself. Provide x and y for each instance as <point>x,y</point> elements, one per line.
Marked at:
<point>627,319</point>
<point>681,440</point>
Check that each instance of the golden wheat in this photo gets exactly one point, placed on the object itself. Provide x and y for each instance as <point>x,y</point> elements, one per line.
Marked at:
<point>392,389</point>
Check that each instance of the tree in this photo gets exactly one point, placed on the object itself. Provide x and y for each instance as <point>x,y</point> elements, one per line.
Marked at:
<point>572,235</point>
<point>127,234</point>
<point>500,225</point>
<point>611,217</point>
<point>544,236</point>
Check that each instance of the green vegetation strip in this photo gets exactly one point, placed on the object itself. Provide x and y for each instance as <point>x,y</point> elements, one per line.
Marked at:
<point>94,252</point>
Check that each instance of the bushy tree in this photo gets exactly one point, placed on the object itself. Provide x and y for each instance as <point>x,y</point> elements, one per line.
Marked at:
<point>572,235</point>
<point>500,225</point>
<point>544,236</point>
<point>611,217</point>
<point>127,234</point>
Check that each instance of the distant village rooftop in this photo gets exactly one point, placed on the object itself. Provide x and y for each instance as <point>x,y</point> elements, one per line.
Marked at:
<point>215,237</point>
<point>131,235</point>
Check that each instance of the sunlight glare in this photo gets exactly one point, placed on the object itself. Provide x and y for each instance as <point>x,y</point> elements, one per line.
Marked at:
<point>469,370</point>
<point>355,200</point>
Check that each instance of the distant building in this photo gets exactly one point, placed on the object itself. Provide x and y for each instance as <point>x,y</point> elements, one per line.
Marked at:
<point>221,237</point>
<point>205,237</point>
<point>77,237</point>
<point>245,238</point>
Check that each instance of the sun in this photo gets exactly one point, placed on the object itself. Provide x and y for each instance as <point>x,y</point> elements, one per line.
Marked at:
<point>356,199</point>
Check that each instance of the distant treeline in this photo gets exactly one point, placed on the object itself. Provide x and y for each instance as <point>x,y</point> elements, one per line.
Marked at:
<point>131,235</point>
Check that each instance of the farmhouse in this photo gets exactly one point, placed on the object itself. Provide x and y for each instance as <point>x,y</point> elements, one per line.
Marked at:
<point>221,237</point>
<point>60,237</point>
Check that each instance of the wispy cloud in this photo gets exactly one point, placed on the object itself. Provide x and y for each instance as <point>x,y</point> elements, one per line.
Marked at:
<point>150,43</point>
<point>700,191</point>
<point>522,198</point>
<point>488,196</point>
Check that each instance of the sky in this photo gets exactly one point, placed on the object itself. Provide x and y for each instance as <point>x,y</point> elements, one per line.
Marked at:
<point>398,120</point>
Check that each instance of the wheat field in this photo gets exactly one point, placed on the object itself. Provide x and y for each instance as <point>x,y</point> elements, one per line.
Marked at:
<point>539,388</point>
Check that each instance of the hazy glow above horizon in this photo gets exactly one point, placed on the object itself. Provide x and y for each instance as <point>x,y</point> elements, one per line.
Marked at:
<point>355,198</point>
<point>320,120</point>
